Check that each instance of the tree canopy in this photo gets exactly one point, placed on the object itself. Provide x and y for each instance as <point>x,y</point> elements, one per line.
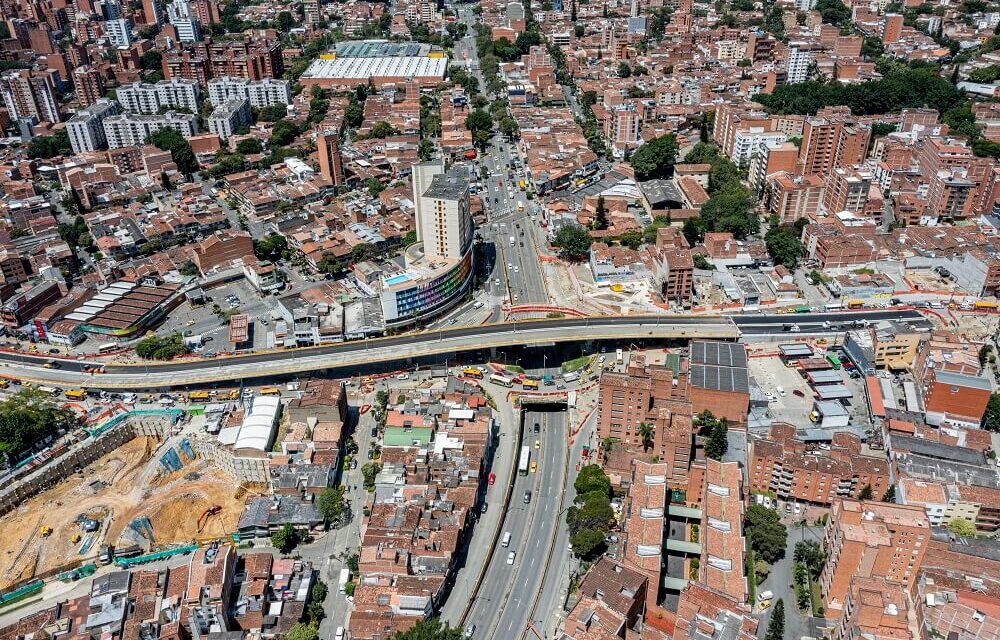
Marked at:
<point>592,478</point>
<point>767,535</point>
<point>784,246</point>
<point>656,158</point>
<point>431,629</point>
<point>286,538</point>
<point>331,503</point>
<point>962,527</point>
<point>161,348</point>
<point>169,139</point>
<point>28,417</point>
<point>573,242</point>
<point>45,147</point>
<point>900,88</point>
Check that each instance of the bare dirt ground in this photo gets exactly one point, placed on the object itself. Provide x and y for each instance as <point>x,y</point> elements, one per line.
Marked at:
<point>126,484</point>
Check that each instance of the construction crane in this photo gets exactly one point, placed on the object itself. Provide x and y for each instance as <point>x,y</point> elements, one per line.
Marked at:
<point>206,514</point>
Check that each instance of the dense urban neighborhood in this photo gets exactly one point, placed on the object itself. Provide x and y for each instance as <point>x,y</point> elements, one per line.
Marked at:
<point>499,320</point>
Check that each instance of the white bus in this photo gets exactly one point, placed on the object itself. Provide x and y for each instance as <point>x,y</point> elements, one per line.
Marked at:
<point>522,463</point>
<point>107,348</point>
<point>345,576</point>
<point>619,356</point>
<point>500,380</point>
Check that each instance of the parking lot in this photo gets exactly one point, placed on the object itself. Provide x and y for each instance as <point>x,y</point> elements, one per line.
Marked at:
<point>203,320</point>
<point>792,396</point>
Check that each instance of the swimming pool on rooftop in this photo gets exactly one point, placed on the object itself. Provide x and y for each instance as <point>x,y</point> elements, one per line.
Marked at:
<point>396,279</point>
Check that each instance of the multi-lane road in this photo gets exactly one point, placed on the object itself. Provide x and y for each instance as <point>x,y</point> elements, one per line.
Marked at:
<point>432,343</point>
<point>508,593</point>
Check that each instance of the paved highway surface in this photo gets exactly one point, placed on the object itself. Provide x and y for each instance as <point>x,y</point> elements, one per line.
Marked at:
<point>442,341</point>
<point>508,591</point>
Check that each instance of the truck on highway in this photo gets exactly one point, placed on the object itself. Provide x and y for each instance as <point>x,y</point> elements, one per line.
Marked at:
<point>524,460</point>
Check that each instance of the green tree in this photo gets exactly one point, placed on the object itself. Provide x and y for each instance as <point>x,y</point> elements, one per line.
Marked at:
<point>768,536</point>
<point>776,626</point>
<point>646,433</point>
<point>270,248</point>
<point>331,503</point>
<point>656,158</point>
<point>382,130</point>
<point>866,492</point>
<point>590,511</point>
<point>784,246</point>
<point>283,133</point>
<point>718,442</point>
<point>303,631</point>
<point>890,494</point>
<point>600,215</point>
<point>479,120</point>
<point>285,539</point>
<point>430,629</point>
<point>508,127</point>
<point>45,147</point>
<point>374,186</point>
<point>985,75</point>
<point>962,527</point>
<point>249,146</point>
<point>833,11</point>
<point>189,268</point>
<point>285,21</point>
<point>592,479</point>
<point>631,239</point>
<point>588,543</point>
<point>152,60</point>
<point>157,348</point>
<point>272,113</point>
<point>624,71</point>
<point>991,417</point>
<point>28,417</point>
<point>810,554</point>
<point>701,262</point>
<point>370,471</point>
<point>573,242</point>
<point>169,139</point>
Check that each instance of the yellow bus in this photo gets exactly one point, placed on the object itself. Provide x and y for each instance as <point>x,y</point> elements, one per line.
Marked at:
<point>472,372</point>
<point>529,384</point>
<point>199,395</point>
<point>75,394</point>
<point>855,304</point>
<point>270,391</point>
<point>986,304</point>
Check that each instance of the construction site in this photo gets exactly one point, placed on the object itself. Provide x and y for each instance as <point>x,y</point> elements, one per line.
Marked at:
<point>146,494</point>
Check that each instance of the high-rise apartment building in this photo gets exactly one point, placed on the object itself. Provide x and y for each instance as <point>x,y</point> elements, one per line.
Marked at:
<point>89,84</point>
<point>847,190</point>
<point>86,127</point>
<point>444,219</point>
<point>140,97</point>
<point>127,130</point>
<point>261,93</point>
<point>119,32</point>
<point>871,539</point>
<point>180,15</point>
<point>831,142</point>
<point>330,162</point>
<point>30,95</point>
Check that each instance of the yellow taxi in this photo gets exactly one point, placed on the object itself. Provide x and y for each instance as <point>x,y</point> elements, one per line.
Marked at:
<point>538,444</point>
<point>534,466</point>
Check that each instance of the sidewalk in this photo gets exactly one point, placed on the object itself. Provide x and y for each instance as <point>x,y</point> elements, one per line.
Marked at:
<point>480,546</point>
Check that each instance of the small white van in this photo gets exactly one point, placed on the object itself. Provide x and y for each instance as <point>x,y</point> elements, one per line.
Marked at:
<point>506,540</point>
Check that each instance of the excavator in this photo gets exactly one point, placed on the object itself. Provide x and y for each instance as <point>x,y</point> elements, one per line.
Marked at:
<point>206,514</point>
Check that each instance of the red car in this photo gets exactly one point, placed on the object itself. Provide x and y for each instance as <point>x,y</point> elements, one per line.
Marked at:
<point>798,393</point>
<point>493,479</point>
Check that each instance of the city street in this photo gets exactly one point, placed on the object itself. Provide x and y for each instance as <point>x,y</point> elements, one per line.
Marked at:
<point>502,607</point>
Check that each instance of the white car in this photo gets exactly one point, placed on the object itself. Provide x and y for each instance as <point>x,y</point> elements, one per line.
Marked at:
<point>497,282</point>
<point>511,556</point>
<point>403,376</point>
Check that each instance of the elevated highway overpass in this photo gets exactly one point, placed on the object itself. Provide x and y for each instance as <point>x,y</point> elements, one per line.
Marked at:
<point>364,353</point>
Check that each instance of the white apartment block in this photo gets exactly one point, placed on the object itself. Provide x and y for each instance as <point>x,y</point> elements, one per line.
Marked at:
<point>129,130</point>
<point>86,127</point>
<point>140,97</point>
<point>799,58</point>
<point>180,15</point>
<point>230,117</point>
<point>261,93</point>
<point>119,32</point>
<point>750,142</point>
